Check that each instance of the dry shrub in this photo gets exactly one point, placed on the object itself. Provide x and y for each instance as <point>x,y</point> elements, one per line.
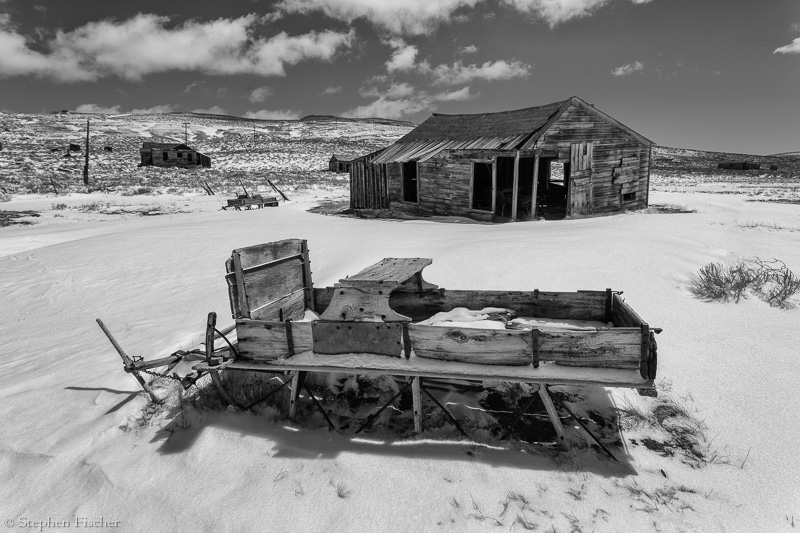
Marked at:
<point>771,281</point>
<point>777,284</point>
<point>716,281</point>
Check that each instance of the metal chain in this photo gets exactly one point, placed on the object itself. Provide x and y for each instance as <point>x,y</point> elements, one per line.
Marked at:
<point>159,374</point>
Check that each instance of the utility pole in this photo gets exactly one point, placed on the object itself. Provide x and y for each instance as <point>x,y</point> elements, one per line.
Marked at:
<point>86,164</point>
<point>186,133</point>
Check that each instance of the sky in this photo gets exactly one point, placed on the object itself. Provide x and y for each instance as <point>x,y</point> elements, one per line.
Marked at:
<point>719,75</point>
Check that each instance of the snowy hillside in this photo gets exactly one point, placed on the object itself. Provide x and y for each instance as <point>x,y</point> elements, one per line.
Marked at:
<point>291,153</point>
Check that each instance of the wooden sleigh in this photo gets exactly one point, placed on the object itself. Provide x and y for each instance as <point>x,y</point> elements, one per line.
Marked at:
<point>367,325</point>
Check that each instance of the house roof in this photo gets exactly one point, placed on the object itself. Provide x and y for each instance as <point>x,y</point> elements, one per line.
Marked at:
<point>506,130</point>
<point>164,146</point>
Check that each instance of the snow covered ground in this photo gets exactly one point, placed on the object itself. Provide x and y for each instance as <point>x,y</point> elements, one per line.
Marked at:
<point>153,279</point>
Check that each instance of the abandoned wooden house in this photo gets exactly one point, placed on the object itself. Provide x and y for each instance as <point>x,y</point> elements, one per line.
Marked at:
<point>172,155</point>
<point>739,165</point>
<point>340,163</point>
<point>555,160</point>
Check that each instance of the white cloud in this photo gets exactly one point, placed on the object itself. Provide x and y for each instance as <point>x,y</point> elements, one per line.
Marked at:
<point>403,58</point>
<point>555,12</point>
<point>387,108</point>
<point>192,86</point>
<point>394,91</point>
<point>144,45</point>
<point>213,110</point>
<point>459,74</point>
<point>95,108</point>
<point>413,17</point>
<point>260,94</point>
<point>791,48</point>
<point>165,108</point>
<point>471,49</point>
<point>460,95</point>
<point>627,70</point>
<point>332,90</point>
<point>401,100</point>
<point>280,114</point>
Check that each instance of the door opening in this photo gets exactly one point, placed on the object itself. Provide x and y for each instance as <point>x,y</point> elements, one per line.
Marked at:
<point>552,188</point>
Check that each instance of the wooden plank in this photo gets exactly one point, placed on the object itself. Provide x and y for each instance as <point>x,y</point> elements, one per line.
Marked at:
<point>127,361</point>
<point>268,285</point>
<point>581,305</point>
<point>623,315</point>
<point>297,382</point>
<point>644,362</point>
<point>243,307</point>
<point>308,285</point>
<point>515,188</point>
<point>494,186</point>
<point>535,185</point>
<point>291,306</point>
<point>357,337</point>
<point>416,400</point>
<point>479,346</point>
<point>553,415</point>
<point>550,373</point>
<point>610,345</point>
<point>262,253</point>
<point>261,340</point>
<point>391,271</point>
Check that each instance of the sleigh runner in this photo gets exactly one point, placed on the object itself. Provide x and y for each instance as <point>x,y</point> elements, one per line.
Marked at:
<point>383,321</point>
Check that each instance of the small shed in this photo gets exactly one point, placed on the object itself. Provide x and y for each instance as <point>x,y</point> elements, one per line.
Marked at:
<point>340,163</point>
<point>555,160</point>
<point>739,165</point>
<point>172,155</point>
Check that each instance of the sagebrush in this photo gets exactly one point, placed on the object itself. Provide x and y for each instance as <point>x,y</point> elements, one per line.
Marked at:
<point>772,281</point>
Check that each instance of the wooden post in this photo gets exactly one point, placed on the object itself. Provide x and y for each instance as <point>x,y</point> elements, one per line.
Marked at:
<point>297,383</point>
<point>494,186</point>
<point>553,415</point>
<point>535,347</point>
<point>127,361</point>
<point>244,307</point>
<point>515,192</point>
<point>535,186</point>
<point>308,286</point>
<point>86,165</point>
<point>416,389</point>
<point>210,325</point>
<point>644,363</point>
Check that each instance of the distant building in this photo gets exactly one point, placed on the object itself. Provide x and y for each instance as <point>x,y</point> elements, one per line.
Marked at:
<point>340,163</point>
<point>172,155</point>
<point>739,165</point>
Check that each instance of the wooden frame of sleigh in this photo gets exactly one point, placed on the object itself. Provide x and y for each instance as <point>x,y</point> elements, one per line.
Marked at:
<point>381,321</point>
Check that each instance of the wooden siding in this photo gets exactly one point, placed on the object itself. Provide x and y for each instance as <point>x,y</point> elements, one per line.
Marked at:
<point>369,186</point>
<point>617,164</point>
<point>175,158</point>
<point>619,161</point>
